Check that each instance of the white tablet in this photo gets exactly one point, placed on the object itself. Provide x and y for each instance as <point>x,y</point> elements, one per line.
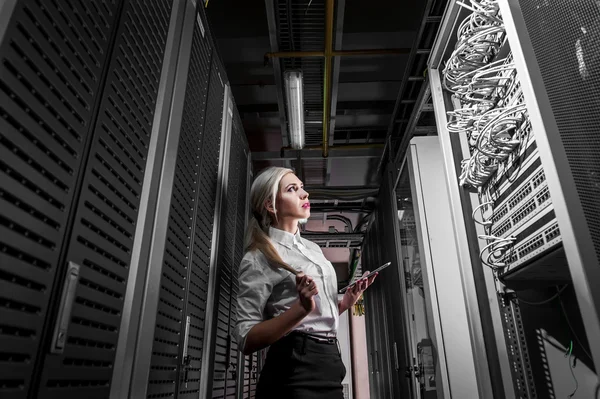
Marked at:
<point>380,268</point>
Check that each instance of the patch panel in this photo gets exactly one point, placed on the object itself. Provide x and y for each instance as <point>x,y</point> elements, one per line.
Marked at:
<point>524,203</point>
<point>529,209</point>
<point>543,239</point>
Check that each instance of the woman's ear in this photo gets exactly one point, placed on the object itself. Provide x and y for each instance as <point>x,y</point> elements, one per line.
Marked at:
<point>269,206</point>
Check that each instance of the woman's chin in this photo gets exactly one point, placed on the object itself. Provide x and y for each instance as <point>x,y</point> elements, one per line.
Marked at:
<point>304,215</point>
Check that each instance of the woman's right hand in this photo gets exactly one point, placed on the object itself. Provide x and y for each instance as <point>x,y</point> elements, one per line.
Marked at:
<point>307,289</point>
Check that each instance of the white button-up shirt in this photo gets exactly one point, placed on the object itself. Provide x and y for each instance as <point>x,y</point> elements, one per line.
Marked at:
<point>266,292</point>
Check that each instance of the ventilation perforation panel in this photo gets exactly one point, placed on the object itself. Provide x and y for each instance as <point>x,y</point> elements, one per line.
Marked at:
<point>572,29</point>
<point>208,91</point>
<point>250,376</point>
<point>104,227</point>
<point>224,381</point>
<point>221,380</point>
<point>48,87</point>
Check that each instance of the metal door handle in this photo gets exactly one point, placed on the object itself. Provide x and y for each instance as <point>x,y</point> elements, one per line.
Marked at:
<point>59,338</point>
<point>186,338</point>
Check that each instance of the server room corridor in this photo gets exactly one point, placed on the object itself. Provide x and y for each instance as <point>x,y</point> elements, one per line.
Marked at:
<point>457,141</point>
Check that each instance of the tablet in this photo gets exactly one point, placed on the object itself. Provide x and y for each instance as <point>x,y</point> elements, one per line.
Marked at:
<point>380,268</point>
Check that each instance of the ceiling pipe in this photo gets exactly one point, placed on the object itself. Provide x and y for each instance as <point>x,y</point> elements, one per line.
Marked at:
<point>328,53</point>
<point>329,11</point>
<point>339,53</point>
<point>338,147</point>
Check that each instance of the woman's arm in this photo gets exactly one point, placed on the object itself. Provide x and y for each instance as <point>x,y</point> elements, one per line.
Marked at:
<point>252,332</point>
<point>268,332</point>
<point>352,295</point>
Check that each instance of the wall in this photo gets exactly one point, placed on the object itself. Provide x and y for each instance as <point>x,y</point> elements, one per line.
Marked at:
<point>360,371</point>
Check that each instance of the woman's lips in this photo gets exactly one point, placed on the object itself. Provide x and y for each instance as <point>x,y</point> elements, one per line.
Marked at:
<point>306,206</point>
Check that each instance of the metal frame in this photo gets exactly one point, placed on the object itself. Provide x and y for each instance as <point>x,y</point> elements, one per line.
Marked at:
<point>579,247</point>
<point>357,151</point>
<point>493,370</point>
<point>483,315</point>
<point>401,272</point>
<point>206,373</point>
<point>436,222</point>
<point>411,127</point>
<point>132,358</point>
<point>406,78</point>
<point>429,280</point>
<point>241,363</point>
<point>352,240</point>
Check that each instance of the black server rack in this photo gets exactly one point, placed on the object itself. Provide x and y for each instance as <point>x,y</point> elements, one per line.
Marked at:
<point>80,85</point>
<point>231,253</point>
<point>179,330</point>
<point>518,225</point>
<point>390,361</point>
<point>250,377</point>
<point>94,96</point>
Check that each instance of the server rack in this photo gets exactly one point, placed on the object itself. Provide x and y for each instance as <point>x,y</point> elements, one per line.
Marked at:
<point>501,163</point>
<point>77,122</point>
<point>115,128</point>
<point>418,331</point>
<point>390,361</point>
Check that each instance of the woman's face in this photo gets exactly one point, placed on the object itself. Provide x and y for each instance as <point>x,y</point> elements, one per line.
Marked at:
<point>292,200</point>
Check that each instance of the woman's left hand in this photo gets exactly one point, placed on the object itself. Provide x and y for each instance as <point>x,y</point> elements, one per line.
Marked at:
<point>352,294</point>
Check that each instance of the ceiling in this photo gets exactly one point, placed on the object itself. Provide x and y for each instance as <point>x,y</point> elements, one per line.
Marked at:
<point>373,97</point>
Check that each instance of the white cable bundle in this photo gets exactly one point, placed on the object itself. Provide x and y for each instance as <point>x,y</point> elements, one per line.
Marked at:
<point>488,110</point>
<point>480,36</point>
<point>477,169</point>
<point>498,249</point>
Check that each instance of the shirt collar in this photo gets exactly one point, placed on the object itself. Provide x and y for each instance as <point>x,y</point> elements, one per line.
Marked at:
<point>283,237</point>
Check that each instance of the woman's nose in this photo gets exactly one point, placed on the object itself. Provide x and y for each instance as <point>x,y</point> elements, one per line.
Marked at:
<point>303,194</point>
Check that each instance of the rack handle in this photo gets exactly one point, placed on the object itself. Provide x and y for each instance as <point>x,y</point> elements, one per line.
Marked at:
<point>59,338</point>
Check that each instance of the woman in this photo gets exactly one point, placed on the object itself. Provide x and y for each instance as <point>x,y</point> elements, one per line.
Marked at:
<point>287,296</point>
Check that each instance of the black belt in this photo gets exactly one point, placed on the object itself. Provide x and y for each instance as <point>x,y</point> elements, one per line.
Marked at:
<point>322,339</point>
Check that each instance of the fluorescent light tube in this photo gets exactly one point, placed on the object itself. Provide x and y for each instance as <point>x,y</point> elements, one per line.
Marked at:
<point>295,107</point>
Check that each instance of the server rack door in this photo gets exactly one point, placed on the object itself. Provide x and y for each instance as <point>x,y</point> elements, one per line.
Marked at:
<point>49,90</point>
<point>104,223</point>
<point>376,329</point>
<point>56,61</point>
<point>249,371</point>
<point>240,228</point>
<point>395,283</point>
<point>370,309</point>
<point>250,376</point>
<point>207,160</point>
<point>234,219</point>
<point>563,100</point>
<point>174,365</point>
<point>385,329</point>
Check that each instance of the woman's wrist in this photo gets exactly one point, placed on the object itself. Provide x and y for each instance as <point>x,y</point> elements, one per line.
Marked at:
<point>346,303</point>
<point>299,310</point>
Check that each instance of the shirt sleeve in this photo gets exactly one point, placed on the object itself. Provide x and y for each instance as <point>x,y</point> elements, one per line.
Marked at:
<point>255,288</point>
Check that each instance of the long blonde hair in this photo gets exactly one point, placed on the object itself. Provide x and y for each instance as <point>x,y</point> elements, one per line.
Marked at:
<point>264,188</point>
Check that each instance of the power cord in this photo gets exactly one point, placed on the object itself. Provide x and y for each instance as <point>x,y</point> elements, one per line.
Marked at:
<point>553,297</point>
<point>572,364</point>
<point>562,306</point>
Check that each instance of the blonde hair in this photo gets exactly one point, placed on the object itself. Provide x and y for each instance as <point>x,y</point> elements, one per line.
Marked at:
<point>264,188</point>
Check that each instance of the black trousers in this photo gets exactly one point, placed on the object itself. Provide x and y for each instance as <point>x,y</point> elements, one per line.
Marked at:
<point>297,367</point>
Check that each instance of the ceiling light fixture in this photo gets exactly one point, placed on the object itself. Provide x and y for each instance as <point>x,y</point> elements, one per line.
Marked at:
<point>295,107</point>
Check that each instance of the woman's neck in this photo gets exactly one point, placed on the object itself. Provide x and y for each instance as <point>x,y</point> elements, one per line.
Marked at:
<point>291,226</point>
